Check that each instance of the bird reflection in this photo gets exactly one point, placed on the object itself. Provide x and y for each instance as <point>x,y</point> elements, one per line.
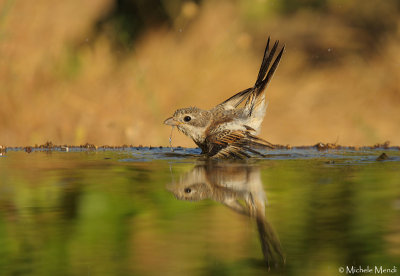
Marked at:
<point>237,186</point>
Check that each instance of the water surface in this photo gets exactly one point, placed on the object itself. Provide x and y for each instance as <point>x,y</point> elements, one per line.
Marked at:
<point>156,212</point>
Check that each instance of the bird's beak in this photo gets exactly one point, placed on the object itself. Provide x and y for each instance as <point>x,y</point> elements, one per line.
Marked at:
<point>171,122</point>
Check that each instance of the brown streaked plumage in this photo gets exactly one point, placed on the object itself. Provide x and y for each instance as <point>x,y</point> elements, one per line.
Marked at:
<point>229,129</point>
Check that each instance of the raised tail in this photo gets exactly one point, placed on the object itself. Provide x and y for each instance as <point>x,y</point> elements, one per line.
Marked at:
<point>264,76</point>
<point>253,96</point>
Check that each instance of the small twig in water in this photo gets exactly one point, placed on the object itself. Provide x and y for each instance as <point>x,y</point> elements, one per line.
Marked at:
<point>170,139</point>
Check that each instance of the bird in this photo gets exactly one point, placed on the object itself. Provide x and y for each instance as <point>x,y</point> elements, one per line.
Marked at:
<point>229,130</point>
<point>238,187</point>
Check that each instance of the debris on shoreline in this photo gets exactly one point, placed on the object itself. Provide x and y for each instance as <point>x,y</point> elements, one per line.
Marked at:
<point>49,146</point>
<point>382,157</point>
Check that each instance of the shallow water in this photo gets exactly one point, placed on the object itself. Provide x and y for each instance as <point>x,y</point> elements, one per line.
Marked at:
<point>157,212</point>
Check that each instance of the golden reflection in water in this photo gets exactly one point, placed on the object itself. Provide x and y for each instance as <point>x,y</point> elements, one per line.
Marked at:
<point>237,186</point>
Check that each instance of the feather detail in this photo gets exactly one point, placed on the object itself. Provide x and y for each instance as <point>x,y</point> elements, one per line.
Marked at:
<point>251,96</point>
<point>251,101</point>
<point>237,144</point>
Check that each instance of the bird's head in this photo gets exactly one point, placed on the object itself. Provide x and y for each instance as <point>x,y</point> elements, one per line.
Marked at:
<point>192,121</point>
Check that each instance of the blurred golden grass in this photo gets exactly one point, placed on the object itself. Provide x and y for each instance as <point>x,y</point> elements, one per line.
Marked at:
<point>59,84</point>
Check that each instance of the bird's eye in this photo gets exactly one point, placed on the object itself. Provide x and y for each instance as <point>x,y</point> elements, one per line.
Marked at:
<point>188,190</point>
<point>187,118</point>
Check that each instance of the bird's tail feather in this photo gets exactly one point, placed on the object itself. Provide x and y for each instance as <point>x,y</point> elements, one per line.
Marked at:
<point>255,98</point>
<point>251,95</point>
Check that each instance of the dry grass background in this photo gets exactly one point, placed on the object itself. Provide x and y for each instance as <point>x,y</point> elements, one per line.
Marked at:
<point>58,83</point>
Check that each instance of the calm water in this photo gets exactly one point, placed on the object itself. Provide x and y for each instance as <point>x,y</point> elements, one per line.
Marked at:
<point>153,212</point>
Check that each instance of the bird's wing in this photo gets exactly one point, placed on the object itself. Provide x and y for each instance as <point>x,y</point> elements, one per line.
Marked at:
<point>253,97</point>
<point>234,143</point>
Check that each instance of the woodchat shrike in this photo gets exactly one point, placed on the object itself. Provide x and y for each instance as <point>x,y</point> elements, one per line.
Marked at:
<point>229,129</point>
